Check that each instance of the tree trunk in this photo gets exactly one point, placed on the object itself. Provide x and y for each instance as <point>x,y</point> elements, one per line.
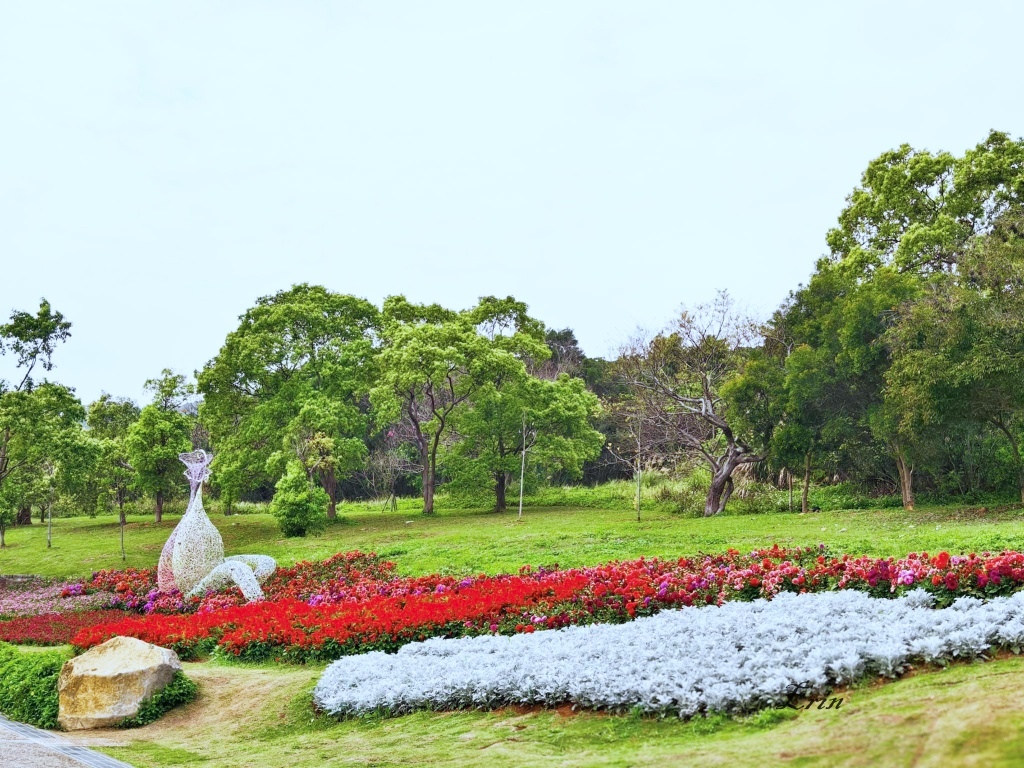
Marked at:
<point>716,492</point>
<point>159,514</point>
<point>428,490</point>
<point>330,484</point>
<point>906,472</point>
<point>1016,455</point>
<point>639,485</point>
<point>24,516</point>
<point>807,483</point>
<point>500,486</point>
<point>726,495</point>
<point>721,477</point>
<point>3,534</point>
<point>789,477</point>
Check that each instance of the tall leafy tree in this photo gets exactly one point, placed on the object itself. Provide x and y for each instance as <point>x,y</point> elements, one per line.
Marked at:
<point>916,211</point>
<point>154,440</point>
<point>913,217</point>
<point>36,419</point>
<point>109,420</point>
<point>433,361</point>
<point>291,379</point>
<point>546,424</point>
<point>958,351</point>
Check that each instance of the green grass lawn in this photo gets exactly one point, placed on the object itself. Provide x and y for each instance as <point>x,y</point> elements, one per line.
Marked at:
<point>968,714</point>
<point>471,541</point>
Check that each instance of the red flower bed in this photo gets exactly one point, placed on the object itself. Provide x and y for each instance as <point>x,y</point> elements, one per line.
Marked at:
<point>322,611</point>
<point>301,631</point>
<point>53,628</point>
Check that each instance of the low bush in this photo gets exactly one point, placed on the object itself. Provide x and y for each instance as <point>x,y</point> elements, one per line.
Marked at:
<point>299,507</point>
<point>830,498</point>
<point>179,691</point>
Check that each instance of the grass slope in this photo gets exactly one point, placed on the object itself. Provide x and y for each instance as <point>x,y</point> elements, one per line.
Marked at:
<point>471,541</point>
<point>968,714</point>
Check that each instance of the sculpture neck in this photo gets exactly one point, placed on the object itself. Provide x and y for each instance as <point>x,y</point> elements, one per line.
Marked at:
<point>195,499</point>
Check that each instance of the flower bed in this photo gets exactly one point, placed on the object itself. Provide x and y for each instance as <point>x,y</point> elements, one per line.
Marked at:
<point>38,596</point>
<point>53,628</point>
<point>734,657</point>
<point>353,603</point>
<point>301,631</point>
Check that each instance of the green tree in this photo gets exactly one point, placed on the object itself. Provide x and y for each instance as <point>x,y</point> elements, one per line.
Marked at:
<point>549,420</point>
<point>835,373</point>
<point>109,420</point>
<point>958,351</point>
<point>913,217</point>
<point>917,211</point>
<point>434,360</point>
<point>316,437</point>
<point>289,381</point>
<point>160,433</point>
<point>35,418</point>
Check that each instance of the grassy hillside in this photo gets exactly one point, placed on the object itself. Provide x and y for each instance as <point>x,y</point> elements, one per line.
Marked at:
<point>968,714</point>
<point>470,541</point>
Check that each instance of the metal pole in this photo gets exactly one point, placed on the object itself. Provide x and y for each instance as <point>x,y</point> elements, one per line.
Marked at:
<point>522,469</point>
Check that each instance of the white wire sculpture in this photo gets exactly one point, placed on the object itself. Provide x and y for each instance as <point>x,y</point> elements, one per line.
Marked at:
<point>192,560</point>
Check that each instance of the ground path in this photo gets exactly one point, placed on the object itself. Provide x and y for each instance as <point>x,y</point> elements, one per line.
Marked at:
<point>24,746</point>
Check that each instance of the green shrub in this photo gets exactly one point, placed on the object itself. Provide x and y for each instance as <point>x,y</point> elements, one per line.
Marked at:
<point>757,499</point>
<point>180,690</point>
<point>841,496</point>
<point>28,684</point>
<point>299,507</point>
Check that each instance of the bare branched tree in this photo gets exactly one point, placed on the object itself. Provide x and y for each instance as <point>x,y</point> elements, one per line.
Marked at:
<point>387,464</point>
<point>679,374</point>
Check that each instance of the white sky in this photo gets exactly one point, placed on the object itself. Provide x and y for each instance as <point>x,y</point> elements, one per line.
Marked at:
<point>164,164</point>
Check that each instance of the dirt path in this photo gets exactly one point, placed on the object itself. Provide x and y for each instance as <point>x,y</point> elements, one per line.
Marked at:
<point>233,701</point>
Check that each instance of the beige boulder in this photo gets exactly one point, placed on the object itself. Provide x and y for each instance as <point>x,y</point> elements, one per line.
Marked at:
<point>105,685</point>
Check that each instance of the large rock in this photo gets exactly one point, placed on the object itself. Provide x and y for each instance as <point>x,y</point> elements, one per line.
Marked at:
<point>103,686</point>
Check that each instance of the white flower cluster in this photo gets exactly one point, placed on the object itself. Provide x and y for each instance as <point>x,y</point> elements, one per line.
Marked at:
<point>736,657</point>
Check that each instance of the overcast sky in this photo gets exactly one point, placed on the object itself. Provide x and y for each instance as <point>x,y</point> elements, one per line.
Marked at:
<point>162,165</point>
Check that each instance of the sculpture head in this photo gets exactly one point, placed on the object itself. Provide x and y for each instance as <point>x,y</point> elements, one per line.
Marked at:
<point>197,467</point>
